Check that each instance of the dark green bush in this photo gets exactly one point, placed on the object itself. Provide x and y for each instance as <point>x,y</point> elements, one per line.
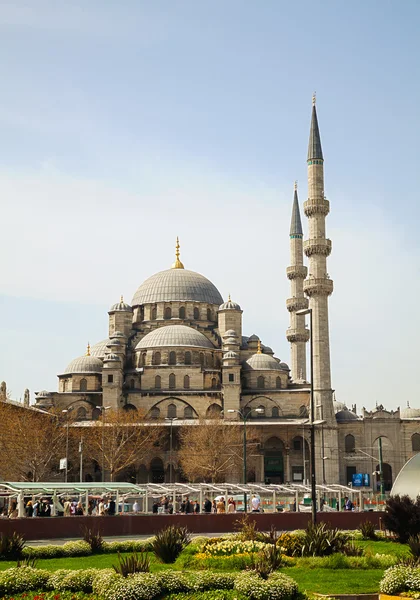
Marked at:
<point>414,545</point>
<point>402,517</point>
<point>134,563</point>
<point>94,539</point>
<point>322,540</point>
<point>170,542</point>
<point>267,561</point>
<point>11,546</point>
<point>367,529</point>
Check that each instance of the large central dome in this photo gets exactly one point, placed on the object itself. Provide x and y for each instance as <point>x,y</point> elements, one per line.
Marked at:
<point>177,285</point>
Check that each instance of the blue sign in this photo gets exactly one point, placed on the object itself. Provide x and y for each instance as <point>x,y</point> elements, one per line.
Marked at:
<point>361,480</point>
<point>357,479</point>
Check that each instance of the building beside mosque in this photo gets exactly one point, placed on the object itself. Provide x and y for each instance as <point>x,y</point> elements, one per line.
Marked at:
<point>178,352</point>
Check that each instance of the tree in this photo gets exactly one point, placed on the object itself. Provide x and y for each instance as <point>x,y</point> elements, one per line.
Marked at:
<point>31,443</point>
<point>402,517</point>
<point>212,449</point>
<point>119,439</point>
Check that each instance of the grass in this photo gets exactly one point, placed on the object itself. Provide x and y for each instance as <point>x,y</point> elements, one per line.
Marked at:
<point>385,547</point>
<point>335,581</point>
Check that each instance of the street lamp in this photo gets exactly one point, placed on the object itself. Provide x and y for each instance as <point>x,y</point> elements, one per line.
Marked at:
<point>244,418</point>
<point>66,411</point>
<point>103,410</point>
<point>171,420</point>
<point>308,311</point>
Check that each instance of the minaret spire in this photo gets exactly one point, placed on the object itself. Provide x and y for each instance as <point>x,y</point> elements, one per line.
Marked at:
<point>314,146</point>
<point>297,334</point>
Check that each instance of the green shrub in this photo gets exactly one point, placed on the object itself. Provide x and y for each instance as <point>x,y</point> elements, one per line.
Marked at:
<point>22,579</point>
<point>170,542</point>
<point>291,543</point>
<point>234,562</point>
<point>94,539</point>
<point>321,540</point>
<point>128,546</point>
<point>209,595</point>
<point>134,563</point>
<point>79,548</point>
<point>229,547</point>
<point>367,529</point>
<point>11,546</point>
<point>402,517</point>
<point>48,551</point>
<point>72,580</point>
<point>27,561</point>
<point>277,586</point>
<point>246,528</point>
<point>267,561</point>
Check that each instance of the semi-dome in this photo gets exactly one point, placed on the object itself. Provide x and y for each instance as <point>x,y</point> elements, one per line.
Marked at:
<point>84,364</point>
<point>346,415</point>
<point>177,285</point>
<point>174,335</point>
<point>284,366</point>
<point>121,306</point>
<point>410,413</point>
<point>114,342</point>
<point>99,349</point>
<point>262,362</point>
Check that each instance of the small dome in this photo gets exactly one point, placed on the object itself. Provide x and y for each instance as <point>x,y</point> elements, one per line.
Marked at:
<point>177,285</point>
<point>43,394</point>
<point>121,306</point>
<point>253,338</point>
<point>262,362</point>
<point>230,333</point>
<point>230,354</point>
<point>267,350</point>
<point>346,415</point>
<point>111,358</point>
<point>84,364</point>
<point>99,349</point>
<point>410,413</point>
<point>174,335</point>
<point>284,366</point>
<point>229,305</point>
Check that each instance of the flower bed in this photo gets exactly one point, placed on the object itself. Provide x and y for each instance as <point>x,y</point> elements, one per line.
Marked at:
<point>229,547</point>
<point>400,578</point>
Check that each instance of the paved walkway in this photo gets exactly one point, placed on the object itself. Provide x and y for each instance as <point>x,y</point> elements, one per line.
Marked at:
<point>61,541</point>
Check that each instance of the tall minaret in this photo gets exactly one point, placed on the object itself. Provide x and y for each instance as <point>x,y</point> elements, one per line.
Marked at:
<point>318,286</point>
<point>297,334</point>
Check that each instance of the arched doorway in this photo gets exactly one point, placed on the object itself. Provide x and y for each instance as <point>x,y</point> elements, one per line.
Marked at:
<point>157,471</point>
<point>387,475</point>
<point>273,461</point>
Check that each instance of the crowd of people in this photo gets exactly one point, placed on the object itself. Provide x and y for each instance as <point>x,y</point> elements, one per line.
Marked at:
<point>165,505</point>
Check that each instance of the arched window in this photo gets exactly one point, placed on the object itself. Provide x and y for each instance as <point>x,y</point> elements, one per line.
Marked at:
<point>213,411</point>
<point>81,413</point>
<point>143,359</point>
<point>186,382</point>
<point>155,413</point>
<point>168,312</point>
<point>96,413</point>
<point>202,359</point>
<point>187,359</point>
<point>182,312</point>
<point>260,382</point>
<point>188,413</point>
<point>214,383</point>
<point>157,358</point>
<point>172,358</point>
<point>132,384</point>
<point>158,382</point>
<point>415,442</point>
<point>171,411</point>
<point>278,383</point>
<point>64,385</point>
<point>349,443</point>
<point>172,381</point>
<point>154,313</point>
<point>275,412</point>
<point>83,385</point>
<point>209,314</point>
<point>196,313</point>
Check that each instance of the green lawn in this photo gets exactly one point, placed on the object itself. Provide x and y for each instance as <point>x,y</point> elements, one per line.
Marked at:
<point>385,547</point>
<point>336,581</point>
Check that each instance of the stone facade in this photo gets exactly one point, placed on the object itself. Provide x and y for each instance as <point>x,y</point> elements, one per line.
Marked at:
<point>178,352</point>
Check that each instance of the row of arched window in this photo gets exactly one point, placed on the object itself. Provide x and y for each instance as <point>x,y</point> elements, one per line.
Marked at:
<point>350,443</point>
<point>261,382</point>
<point>181,358</point>
<point>169,313</point>
<point>172,382</point>
<point>172,412</point>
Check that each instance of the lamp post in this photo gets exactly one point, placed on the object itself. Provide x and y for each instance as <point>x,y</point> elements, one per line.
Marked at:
<point>244,418</point>
<point>308,311</point>
<point>103,410</point>
<point>81,459</point>
<point>66,411</point>
<point>171,420</point>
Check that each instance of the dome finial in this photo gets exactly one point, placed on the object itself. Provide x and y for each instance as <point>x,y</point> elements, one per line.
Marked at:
<point>295,184</point>
<point>122,299</point>
<point>88,350</point>
<point>259,351</point>
<point>177,264</point>
<point>314,99</point>
<point>229,298</point>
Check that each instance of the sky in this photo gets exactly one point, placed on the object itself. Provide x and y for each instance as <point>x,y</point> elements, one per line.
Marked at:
<point>125,124</point>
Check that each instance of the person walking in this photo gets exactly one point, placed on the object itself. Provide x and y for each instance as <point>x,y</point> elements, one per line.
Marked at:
<point>220,506</point>
<point>207,506</point>
<point>29,509</point>
<point>79,510</point>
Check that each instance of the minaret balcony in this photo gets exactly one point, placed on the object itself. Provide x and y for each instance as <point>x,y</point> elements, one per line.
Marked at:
<point>316,206</point>
<point>294,304</point>
<point>318,286</point>
<point>317,246</point>
<point>297,335</point>
<point>297,272</point>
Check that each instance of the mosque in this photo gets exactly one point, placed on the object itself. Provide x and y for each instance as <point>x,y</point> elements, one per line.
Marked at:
<point>178,353</point>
